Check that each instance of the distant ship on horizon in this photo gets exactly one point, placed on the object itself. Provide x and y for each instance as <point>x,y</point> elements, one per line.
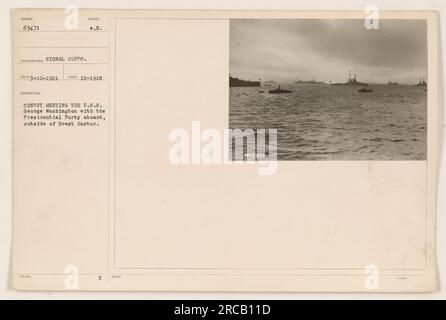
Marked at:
<point>312,81</point>
<point>421,83</point>
<point>352,81</point>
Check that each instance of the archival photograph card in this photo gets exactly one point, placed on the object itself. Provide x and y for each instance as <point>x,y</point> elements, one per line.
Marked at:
<point>225,150</point>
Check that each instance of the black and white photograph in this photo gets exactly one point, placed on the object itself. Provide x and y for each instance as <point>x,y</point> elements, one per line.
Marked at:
<point>266,151</point>
<point>333,89</point>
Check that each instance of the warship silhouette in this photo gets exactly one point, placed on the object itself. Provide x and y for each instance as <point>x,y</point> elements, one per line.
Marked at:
<point>312,81</point>
<point>352,81</point>
<point>421,83</point>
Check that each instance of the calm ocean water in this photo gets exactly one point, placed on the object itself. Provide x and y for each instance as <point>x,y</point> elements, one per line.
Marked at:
<point>328,122</point>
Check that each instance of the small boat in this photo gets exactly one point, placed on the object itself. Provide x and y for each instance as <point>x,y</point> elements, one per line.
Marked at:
<point>365,90</point>
<point>279,90</point>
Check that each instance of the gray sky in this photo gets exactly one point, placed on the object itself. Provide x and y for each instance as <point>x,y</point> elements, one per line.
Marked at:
<point>284,50</point>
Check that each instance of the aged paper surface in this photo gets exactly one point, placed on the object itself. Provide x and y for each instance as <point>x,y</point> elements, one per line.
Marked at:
<point>122,179</point>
